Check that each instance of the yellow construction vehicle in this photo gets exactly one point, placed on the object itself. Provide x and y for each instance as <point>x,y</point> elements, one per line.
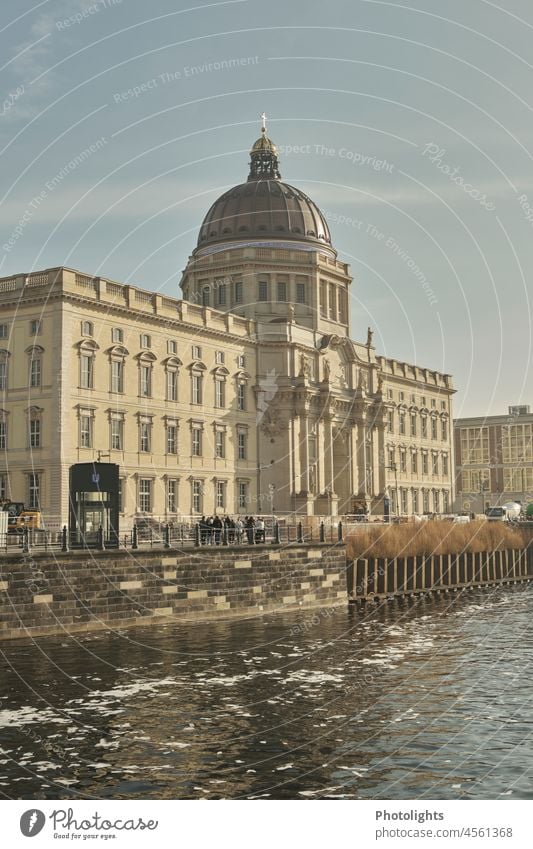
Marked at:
<point>20,518</point>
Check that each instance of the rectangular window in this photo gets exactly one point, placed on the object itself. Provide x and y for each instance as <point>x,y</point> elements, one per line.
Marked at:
<point>413,424</point>
<point>332,302</point>
<point>196,442</point>
<point>262,294</point>
<point>4,488</point>
<point>116,434</point>
<point>4,331</point>
<point>445,501</point>
<point>117,335</point>
<point>243,495</point>
<point>241,396</point>
<point>241,361</point>
<point>219,357</point>
<point>403,460</point>
<point>435,464</point>
<point>197,496</point>
<point>424,427</point>
<point>238,292</point>
<point>475,445</point>
<point>145,495</point>
<point>404,501</point>
<point>444,464</point>
<point>196,352</point>
<point>35,327</point>
<point>433,428</point>
<point>145,436</point>
<point>343,306</point>
<point>221,494</point>
<point>402,423</point>
<point>241,445</point>
<point>414,462</point>
<point>171,439</point>
<point>35,373</point>
<point>3,435</point>
<point>323,300</point>
<point>86,372</point>
<point>34,491</point>
<point>35,433</point>
<point>390,421</point>
<point>414,495</point>
<point>205,296</point>
<point>436,501</point>
<point>478,480</point>
<point>117,376</point>
<point>172,496</point>
<point>424,463</point>
<point>221,294</point>
<point>172,346</point>
<point>196,388</point>
<point>219,393</point>
<point>146,381</point>
<point>146,341</point>
<point>425,500</point>
<point>300,293</point>
<point>172,385</point>
<point>444,430</point>
<point>220,444</point>
<point>281,290</point>
<point>85,431</point>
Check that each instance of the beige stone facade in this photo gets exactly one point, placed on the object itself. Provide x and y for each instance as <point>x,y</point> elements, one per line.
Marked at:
<point>247,396</point>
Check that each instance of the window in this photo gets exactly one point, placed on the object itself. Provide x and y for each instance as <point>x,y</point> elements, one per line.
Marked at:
<point>424,427</point>
<point>478,480</point>
<point>238,292</point>
<point>445,501</point>
<point>4,487</point>
<point>323,300</point>
<point>343,306</point>
<point>475,445</point>
<point>423,400</point>
<point>219,357</point>
<point>220,444</point>
<point>390,421</point>
<point>86,328</point>
<point>435,464</point>
<point>35,433</point>
<point>392,457</point>
<point>414,497</point>
<point>300,293</point>
<point>205,296</point>
<point>262,292</point>
<point>196,352</point>
<point>4,331</point>
<point>171,439</point>
<point>145,340</point>
<point>172,493</point>
<point>117,376</point>
<point>145,436</point>
<point>281,290</point>
<point>172,346</point>
<point>116,434</point>
<point>146,381</point>
<point>219,393</point>
<point>3,434</point>
<point>86,439</point>
<point>3,374</point>
<point>117,335</point>
<point>241,445</point>
<point>196,442</point>
<point>433,428</point>
<point>145,495</point>
<point>121,488</point>
<point>241,361</point>
<point>414,462</point>
<point>424,462</point>
<point>436,501</point>
<point>444,430</point>
<point>243,494</point>
<point>404,500</point>
<point>332,302</point>
<point>196,388</point>
<point>35,327</point>
<point>35,372</point>
<point>221,494</point>
<point>401,396</point>
<point>403,460</point>
<point>172,385</point>
<point>433,403</point>
<point>402,423</point>
<point>34,491</point>
<point>221,294</point>
<point>425,500</point>
<point>86,371</point>
<point>241,396</point>
<point>197,496</point>
<point>444,464</point>
<point>413,424</point>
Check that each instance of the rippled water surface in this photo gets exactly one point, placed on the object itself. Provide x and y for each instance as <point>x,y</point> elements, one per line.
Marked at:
<point>426,700</point>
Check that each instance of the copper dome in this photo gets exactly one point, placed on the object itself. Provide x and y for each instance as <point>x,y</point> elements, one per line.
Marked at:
<point>264,208</point>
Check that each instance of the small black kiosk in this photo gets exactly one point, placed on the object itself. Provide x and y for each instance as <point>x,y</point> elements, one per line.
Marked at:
<point>93,505</point>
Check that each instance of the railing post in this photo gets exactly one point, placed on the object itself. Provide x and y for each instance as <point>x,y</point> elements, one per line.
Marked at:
<point>25,540</point>
<point>100,538</point>
<point>167,536</point>
<point>64,539</point>
<point>197,535</point>
<point>299,533</point>
<point>340,531</point>
<point>135,538</point>
<point>322,532</point>
<point>224,534</point>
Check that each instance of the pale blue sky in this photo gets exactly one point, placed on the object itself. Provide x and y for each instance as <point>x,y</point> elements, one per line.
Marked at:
<point>406,100</point>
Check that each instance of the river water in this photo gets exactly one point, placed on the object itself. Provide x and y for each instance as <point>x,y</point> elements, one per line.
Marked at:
<point>430,699</point>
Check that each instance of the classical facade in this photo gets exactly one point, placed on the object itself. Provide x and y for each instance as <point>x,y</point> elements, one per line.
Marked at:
<point>494,459</point>
<point>248,395</point>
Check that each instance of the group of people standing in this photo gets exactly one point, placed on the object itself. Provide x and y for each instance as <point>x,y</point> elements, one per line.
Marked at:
<point>237,530</point>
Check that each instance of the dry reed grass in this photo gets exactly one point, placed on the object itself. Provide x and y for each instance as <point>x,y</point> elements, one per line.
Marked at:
<point>432,537</point>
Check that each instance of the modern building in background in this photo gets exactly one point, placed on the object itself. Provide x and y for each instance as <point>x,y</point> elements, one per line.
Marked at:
<point>247,396</point>
<point>494,459</point>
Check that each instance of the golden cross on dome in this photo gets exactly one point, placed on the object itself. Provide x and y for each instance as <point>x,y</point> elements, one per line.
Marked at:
<point>263,122</point>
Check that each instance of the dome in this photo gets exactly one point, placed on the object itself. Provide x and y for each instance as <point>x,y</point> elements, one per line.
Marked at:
<point>264,208</point>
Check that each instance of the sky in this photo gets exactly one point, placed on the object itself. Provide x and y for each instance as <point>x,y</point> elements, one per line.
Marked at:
<point>410,125</point>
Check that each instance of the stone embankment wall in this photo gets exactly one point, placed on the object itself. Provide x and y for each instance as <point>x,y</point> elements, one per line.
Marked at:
<point>45,594</point>
<point>403,576</point>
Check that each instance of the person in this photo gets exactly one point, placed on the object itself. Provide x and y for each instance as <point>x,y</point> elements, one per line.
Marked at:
<point>203,530</point>
<point>217,530</point>
<point>259,530</point>
<point>209,528</point>
<point>250,524</point>
<point>238,529</point>
<point>230,529</point>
